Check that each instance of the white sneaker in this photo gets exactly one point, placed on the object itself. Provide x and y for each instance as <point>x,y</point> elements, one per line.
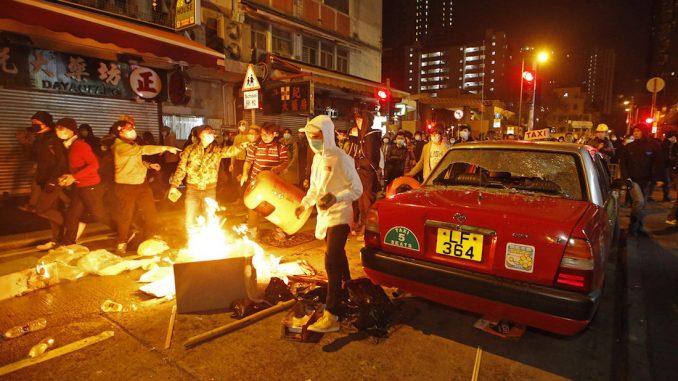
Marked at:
<point>121,249</point>
<point>47,246</point>
<point>326,323</point>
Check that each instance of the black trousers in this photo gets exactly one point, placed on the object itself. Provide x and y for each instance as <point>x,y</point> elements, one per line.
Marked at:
<point>368,178</point>
<point>336,265</point>
<point>90,199</point>
<point>48,207</point>
<point>133,197</point>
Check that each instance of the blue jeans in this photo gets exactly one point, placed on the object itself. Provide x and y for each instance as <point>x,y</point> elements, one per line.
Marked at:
<point>195,203</point>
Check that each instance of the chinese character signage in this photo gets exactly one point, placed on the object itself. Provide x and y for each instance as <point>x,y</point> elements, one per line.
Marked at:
<point>145,82</point>
<point>39,69</point>
<point>251,99</point>
<point>289,98</point>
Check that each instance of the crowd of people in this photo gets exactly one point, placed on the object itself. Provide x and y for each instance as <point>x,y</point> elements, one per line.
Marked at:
<point>120,176</point>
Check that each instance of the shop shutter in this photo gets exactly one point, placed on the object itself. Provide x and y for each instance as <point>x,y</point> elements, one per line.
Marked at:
<point>100,113</point>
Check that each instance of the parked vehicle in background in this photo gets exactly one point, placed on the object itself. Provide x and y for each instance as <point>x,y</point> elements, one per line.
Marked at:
<point>519,231</point>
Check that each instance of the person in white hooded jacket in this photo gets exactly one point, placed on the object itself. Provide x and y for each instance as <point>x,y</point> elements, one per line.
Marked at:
<point>333,186</point>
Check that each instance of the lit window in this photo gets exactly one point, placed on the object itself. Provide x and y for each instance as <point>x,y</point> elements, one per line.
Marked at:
<point>492,62</point>
<point>492,80</point>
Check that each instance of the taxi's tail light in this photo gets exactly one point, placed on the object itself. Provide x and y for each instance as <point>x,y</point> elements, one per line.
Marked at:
<point>372,236</point>
<point>576,267</point>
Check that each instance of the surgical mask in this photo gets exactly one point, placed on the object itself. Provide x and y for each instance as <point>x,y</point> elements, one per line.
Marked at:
<point>463,135</point>
<point>287,136</point>
<point>241,128</point>
<point>63,134</point>
<point>614,138</point>
<point>435,138</point>
<point>316,145</point>
<point>130,134</point>
<point>207,138</point>
<point>267,139</point>
<point>252,138</point>
<point>400,142</point>
<point>386,141</point>
<point>417,137</point>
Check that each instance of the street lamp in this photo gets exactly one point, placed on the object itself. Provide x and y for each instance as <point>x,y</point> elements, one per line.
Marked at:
<point>540,57</point>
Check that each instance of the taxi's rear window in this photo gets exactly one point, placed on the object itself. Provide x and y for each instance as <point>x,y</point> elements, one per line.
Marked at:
<point>558,174</point>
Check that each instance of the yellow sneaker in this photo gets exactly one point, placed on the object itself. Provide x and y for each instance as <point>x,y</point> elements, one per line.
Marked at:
<point>326,323</point>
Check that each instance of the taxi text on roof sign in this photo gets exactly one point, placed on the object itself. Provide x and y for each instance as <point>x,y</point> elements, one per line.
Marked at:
<point>538,134</point>
<point>250,82</point>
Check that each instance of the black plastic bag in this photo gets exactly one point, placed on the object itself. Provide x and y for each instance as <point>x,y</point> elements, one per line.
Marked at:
<point>277,291</point>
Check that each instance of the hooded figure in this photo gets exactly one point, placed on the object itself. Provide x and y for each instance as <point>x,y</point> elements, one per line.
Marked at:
<point>334,185</point>
<point>332,171</point>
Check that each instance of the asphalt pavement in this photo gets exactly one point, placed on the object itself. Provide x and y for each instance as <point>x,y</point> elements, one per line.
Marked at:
<point>632,336</point>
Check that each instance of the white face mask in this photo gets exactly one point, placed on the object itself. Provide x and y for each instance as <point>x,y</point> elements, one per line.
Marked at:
<point>241,128</point>
<point>63,134</point>
<point>435,138</point>
<point>463,135</point>
<point>130,134</point>
<point>207,139</point>
<point>417,137</point>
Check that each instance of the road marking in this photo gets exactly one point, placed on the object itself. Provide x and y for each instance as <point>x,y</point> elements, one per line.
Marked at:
<point>476,366</point>
<point>68,348</point>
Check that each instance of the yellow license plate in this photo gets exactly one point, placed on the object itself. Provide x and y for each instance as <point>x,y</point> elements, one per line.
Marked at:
<point>458,244</point>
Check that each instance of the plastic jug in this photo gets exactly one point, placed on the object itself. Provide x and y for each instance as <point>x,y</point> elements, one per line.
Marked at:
<point>275,199</point>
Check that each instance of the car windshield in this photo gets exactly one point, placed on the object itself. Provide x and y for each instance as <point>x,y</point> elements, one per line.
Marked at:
<point>551,173</point>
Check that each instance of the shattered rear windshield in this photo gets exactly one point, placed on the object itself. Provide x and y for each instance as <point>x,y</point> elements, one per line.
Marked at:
<point>552,173</point>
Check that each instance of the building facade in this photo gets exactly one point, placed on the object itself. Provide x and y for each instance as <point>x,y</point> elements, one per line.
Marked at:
<point>600,80</point>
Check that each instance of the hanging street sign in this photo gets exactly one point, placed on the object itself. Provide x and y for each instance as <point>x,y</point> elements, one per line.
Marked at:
<point>458,114</point>
<point>251,99</point>
<point>251,82</point>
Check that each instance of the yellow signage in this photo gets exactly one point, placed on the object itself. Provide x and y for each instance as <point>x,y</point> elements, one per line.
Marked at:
<point>187,14</point>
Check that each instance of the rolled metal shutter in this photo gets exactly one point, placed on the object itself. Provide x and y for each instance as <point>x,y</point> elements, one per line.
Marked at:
<point>100,113</point>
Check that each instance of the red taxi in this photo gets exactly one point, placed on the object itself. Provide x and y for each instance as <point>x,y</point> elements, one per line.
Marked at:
<point>518,231</point>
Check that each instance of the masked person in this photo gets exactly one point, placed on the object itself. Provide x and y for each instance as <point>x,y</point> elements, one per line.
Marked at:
<point>365,151</point>
<point>52,162</point>
<point>432,153</point>
<point>131,189</point>
<point>83,173</point>
<point>267,154</point>
<point>199,164</point>
<point>465,135</point>
<point>601,142</point>
<point>641,163</point>
<point>334,185</point>
<point>238,161</point>
<point>395,159</point>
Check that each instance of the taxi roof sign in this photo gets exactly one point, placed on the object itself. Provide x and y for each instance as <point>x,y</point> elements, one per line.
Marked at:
<point>250,82</point>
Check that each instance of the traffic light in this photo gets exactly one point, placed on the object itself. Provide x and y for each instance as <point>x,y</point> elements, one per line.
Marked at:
<point>528,76</point>
<point>384,98</point>
<point>649,121</point>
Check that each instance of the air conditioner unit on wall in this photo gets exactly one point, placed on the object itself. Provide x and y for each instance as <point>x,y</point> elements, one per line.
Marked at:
<point>236,40</point>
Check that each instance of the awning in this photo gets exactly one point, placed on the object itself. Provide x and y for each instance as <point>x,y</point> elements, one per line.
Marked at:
<point>59,18</point>
<point>342,81</point>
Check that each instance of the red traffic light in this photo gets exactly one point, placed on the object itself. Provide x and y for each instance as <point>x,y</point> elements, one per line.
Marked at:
<point>528,76</point>
<point>429,126</point>
<point>382,94</point>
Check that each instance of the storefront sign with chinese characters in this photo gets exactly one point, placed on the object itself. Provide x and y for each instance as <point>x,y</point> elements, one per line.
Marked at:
<point>288,98</point>
<point>145,82</point>
<point>40,69</point>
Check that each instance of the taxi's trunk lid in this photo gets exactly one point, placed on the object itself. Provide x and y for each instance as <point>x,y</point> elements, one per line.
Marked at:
<point>520,240</point>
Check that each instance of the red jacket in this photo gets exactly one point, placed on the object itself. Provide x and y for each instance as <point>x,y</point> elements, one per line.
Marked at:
<point>83,164</point>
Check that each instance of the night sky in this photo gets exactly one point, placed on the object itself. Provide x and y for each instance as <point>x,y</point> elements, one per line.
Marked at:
<point>565,27</point>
